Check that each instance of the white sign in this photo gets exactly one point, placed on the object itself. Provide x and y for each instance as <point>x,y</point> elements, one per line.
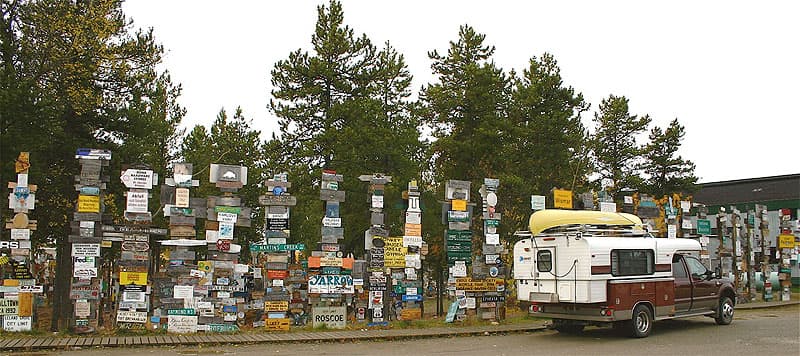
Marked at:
<point>377,201</point>
<point>332,222</point>
<point>182,291</point>
<point>84,272</point>
<point>82,308</point>
<point>492,239</point>
<point>686,206</point>
<point>413,218</point>
<point>537,202</point>
<point>137,201</point>
<point>133,296</point>
<point>84,262</point>
<point>687,224</point>
<point>22,180</point>
<point>672,231</point>
<point>228,218</point>
<point>470,302</point>
<point>20,234</point>
<point>212,236</point>
<point>330,284</point>
<point>182,197</point>
<point>137,178</point>
<point>413,261</point>
<point>628,200</point>
<point>412,241</point>
<point>182,324</point>
<point>132,317</point>
<point>15,323</point>
<point>608,207</point>
<point>84,250</point>
<point>331,317</point>
<point>491,199</point>
<point>460,269</point>
<point>277,283</point>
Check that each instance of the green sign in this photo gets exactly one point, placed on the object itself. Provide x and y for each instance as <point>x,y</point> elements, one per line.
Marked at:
<point>492,222</point>
<point>184,311</point>
<point>222,328</point>
<point>703,226</point>
<point>228,209</point>
<point>276,247</point>
<point>457,235</point>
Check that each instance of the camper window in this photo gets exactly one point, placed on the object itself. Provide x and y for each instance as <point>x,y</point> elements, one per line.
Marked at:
<point>632,262</point>
<point>544,261</point>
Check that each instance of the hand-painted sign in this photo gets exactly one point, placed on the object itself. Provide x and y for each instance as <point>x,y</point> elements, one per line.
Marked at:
<point>279,247</point>
<point>84,250</point>
<point>330,284</point>
<point>131,317</point>
<point>137,278</point>
<point>331,317</point>
<point>88,204</point>
<point>137,178</point>
<point>562,199</point>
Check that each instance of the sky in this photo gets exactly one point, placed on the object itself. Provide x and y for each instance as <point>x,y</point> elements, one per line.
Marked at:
<point>729,71</point>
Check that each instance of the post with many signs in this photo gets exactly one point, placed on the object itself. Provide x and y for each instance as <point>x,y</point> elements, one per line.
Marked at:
<point>785,248</point>
<point>458,245</point>
<point>330,283</point>
<point>274,284</point>
<point>763,228</point>
<point>228,284</point>
<point>85,289</point>
<point>17,312</point>
<point>133,301</point>
<point>375,244</point>
<point>176,281</point>
<point>411,293</point>
<point>704,229</point>
<point>490,266</point>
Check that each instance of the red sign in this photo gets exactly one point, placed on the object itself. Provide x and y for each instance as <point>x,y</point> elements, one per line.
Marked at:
<point>277,274</point>
<point>223,245</point>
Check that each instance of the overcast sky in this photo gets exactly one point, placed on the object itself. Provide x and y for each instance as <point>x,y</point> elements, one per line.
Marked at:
<point>729,71</point>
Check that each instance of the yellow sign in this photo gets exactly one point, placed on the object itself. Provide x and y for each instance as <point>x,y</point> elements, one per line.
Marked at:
<point>205,266</point>
<point>137,278</point>
<point>459,205</point>
<point>276,305</point>
<point>562,198</point>
<point>786,241</point>
<point>88,204</point>
<point>330,262</point>
<point>394,254</point>
<point>477,285</point>
<point>281,324</point>
<point>413,229</point>
<point>411,313</point>
<point>25,304</point>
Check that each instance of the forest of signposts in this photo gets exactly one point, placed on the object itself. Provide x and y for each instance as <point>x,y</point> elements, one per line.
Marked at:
<point>197,231</point>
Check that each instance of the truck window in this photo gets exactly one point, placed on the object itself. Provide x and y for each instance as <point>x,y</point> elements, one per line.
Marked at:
<point>632,262</point>
<point>678,269</point>
<point>696,268</point>
<point>544,261</point>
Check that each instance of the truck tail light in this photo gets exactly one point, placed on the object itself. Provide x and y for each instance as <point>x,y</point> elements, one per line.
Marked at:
<point>607,311</point>
<point>536,308</point>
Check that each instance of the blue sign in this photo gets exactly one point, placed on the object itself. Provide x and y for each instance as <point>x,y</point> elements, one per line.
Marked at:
<point>412,298</point>
<point>229,309</point>
<point>278,190</point>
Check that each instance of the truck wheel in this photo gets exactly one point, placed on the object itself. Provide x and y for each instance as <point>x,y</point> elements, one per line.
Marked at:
<point>724,311</point>
<point>642,321</point>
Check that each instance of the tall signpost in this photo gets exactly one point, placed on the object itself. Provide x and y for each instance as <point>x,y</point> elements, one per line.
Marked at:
<point>133,299</point>
<point>17,314</point>
<point>86,283</point>
<point>330,280</point>
<point>763,222</point>
<point>275,284</point>
<point>785,248</point>
<point>490,266</point>
<point>458,245</point>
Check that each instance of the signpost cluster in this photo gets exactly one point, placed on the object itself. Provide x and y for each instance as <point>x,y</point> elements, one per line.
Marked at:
<point>458,243</point>
<point>16,295</point>
<point>409,289</point>
<point>133,266</point>
<point>86,282</point>
<point>490,264</point>
<point>278,284</point>
<point>330,279</point>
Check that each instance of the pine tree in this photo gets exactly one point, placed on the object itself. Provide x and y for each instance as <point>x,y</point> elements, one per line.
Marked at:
<point>667,172</point>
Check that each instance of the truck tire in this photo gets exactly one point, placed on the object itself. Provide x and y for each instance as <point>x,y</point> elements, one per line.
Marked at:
<point>724,311</point>
<point>641,322</point>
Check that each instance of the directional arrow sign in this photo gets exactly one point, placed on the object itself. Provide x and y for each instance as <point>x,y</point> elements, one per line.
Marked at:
<point>137,178</point>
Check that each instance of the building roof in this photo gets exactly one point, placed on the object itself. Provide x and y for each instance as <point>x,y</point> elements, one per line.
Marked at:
<point>753,190</point>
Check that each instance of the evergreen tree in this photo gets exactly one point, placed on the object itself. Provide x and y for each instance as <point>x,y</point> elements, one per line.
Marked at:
<point>75,74</point>
<point>345,107</point>
<point>546,144</point>
<point>616,154</point>
<point>667,172</point>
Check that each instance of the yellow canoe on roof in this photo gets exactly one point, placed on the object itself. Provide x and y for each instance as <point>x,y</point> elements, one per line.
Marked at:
<point>550,218</point>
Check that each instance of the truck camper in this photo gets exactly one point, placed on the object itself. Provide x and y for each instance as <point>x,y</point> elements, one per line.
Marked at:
<point>583,268</point>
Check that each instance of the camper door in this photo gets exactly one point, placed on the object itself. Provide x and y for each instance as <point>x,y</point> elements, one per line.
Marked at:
<point>546,269</point>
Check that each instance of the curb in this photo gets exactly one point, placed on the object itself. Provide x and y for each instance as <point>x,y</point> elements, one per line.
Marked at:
<point>762,305</point>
